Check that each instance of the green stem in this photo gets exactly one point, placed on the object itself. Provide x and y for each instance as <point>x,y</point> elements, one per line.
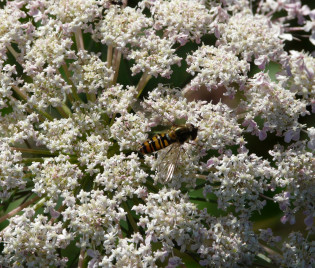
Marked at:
<point>73,88</point>
<point>141,85</point>
<point>267,197</point>
<point>91,97</point>
<point>25,97</point>
<point>130,218</point>
<point>81,258</point>
<point>27,143</point>
<point>40,203</point>
<point>34,151</point>
<point>270,251</point>
<point>64,110</point>
<point>116,60</point>
<point>18,209</point>
<point>13,52</point>
<point>79,39</point>
<point>80,46</point>
<point>109,56</point>
<point>202,177</point>
<point>31,160</point>
<point>112,121</point>
<point>151,187</point>
<point>143,82</point>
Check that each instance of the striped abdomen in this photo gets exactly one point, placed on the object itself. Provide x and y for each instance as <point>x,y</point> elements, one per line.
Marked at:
<point>178,134</point>
<point>157,142</point>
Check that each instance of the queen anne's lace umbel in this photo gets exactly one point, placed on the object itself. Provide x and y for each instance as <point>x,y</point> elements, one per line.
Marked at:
<point>84,83</point>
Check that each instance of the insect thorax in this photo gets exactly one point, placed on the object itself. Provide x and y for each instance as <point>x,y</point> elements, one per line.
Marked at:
<point>185,133</point>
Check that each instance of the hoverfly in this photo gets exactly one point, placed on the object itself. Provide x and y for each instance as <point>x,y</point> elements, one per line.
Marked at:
<point>178,134</point>
<point>174,138</point>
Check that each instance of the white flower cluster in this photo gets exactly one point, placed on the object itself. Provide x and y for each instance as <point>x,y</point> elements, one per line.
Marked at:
<point>249,35</point>
<point>65,134</point>
<point>18,126</point>
<point>130,131</point>
<point>94,217</point>
<point>75,14</point>
<point>311,135</point>
<point>165,105</point>
<point>6,81</point>
<point>11,171</point>
<point>277,107</point>
<point>218,127</point>
<point>93,152</point>
<point>90,73</point>
<point>47,46</point>
<point>43,89</point>
<point>242,179</point>
<point>153,55</point>
<point>230,242</point>
<point>115,99</point>
<point>298,252</point>
<point>90,117</point>
<point>55,176</point>
<point>164,217</point>
<point>11,29</point>
<point>301,79</point>
<point>122,174</point>
<point>296,174</point>
<point>33,241</point>
<point>121,27</point>
<point>60,135</point>
<point>180,20</point>
<point>216,67</point>
<point>131,251</point>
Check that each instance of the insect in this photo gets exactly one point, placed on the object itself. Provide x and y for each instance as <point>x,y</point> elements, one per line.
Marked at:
<point>177,136</point>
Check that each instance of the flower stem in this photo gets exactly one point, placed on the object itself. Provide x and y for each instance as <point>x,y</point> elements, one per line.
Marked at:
<point>130,218</point>
<point>30,160</point>
<point>109,56</point>
<point>81,258</point>
<point>79,39</point>
<point>25,97</point>
<point>33,151</point>
<point>13,52</point>
<point>80,46</point>
<point>73,88</point>
<point>64,110</point>
<point>143,82</point>
<point>272,252</point>
<point>266,197</point>
<point>19,208</point>
<point>198,176</point>
<point>116,61</point>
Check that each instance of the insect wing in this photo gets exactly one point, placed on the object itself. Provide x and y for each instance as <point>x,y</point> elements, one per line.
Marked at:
<point>170,171</point>
<point>168,161</point>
